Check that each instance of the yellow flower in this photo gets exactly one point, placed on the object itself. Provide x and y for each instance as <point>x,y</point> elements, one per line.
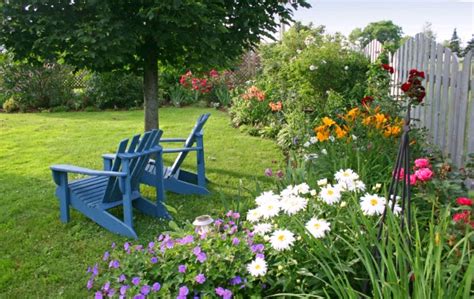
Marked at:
<point>380,120</point>
<point>366,121</point>
<point>322,135</point>
<point>352,114</point>
<point>328,122</point>
<point>392,131</point>
<point>340,133</point>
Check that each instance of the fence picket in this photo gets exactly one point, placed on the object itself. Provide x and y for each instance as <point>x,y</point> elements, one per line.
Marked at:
<point>448,110</point>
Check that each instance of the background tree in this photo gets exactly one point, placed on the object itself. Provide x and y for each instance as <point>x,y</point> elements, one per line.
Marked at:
<point>106,35</point>
<point>428,31</point>
<point>469,46</point>
<point>455,43</point>
<point>385,32</point>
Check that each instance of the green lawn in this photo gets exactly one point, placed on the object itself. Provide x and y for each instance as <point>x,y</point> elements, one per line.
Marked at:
<point>40,256</point>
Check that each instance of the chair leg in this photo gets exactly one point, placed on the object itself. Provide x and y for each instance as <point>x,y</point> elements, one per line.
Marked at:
<point>127,203</point>
<point>64,200</point>
<point>201,169</point>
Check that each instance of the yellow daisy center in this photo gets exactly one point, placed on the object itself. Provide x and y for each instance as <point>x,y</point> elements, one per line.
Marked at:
<point>281,237</point>
<point>317,225</point>
<point>257,267</point>
<point>330,192</point>
<point>373,201</point>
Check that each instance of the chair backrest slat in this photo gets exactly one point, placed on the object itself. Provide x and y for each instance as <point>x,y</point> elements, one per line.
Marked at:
<point>137,145</point>
<point>198,127</point>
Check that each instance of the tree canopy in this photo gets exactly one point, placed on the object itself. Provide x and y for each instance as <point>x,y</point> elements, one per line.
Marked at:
<point>385,32</point>
<point>455,43</point>
<point>105,35</point>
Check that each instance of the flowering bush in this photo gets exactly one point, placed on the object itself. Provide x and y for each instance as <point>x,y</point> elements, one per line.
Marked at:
<point>220,262</point>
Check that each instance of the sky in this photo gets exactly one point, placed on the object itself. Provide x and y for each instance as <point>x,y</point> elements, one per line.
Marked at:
<point>345,15</point>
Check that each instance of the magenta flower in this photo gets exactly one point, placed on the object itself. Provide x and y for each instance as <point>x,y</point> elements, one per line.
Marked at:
<point>268,172</point>
<point>235,241</point>
<point>422,163</point>
<point>236,215</point>
<point>98,295</point>
<point>197,250</point>
<point>136,280</point>
<point>156,287</point>
<point>424,174</point>
<point>229,213</point>
<point>279,174</point>
<point>200,278</point>
<point>182,268</point>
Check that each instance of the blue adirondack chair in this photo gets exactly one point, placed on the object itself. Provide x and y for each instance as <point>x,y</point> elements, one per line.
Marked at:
<point>175,178</point>
<point>118,184</point>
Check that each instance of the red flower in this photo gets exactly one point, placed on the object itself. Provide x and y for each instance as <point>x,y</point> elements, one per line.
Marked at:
<point>213,73</point>
<point>421,95</point>
<point>406,86</point>
<point>388,68</point>
<point>367,100</point>
<point>463,216</point>
<point>464,201</point>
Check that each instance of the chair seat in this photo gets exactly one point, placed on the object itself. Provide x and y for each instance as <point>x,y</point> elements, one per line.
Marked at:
<point>151,168</point>
<point>89,190</point>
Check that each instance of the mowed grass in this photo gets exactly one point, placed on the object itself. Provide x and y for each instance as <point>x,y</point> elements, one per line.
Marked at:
<point>40,257</point>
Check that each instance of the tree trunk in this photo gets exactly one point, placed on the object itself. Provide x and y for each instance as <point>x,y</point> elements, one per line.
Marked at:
<point>150,90</point>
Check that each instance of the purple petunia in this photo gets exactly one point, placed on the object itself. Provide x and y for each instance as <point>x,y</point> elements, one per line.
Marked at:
<point>145,290</point>
<point>224,293</point>
<point>122,277</point>
<point>106,287</point>
<point>98,295</point>
<point>106,256</point>
<point>200,278</point>
<point>229,214</point>
<point>260,256</point>
<point>114,264</point>
<point>236,280</point>
<point>235,241</point>
<point>123,289</point>
<point>111,293</point>
<point>218,222</point>
<point>126,246</point>
<point>183,292</point>
<point>154,260</point>
<point>186,240</point>
<point>139,296</point>
<point>95,270</point>
<point>182,268</point>
<point>201,257</point>
<point>136,280</point>
<point>156,287</point>
<point>113,245</point>
<point>151,245</point>
<point>90,284</point>
<point>257,248</point>
<point>197,250</point>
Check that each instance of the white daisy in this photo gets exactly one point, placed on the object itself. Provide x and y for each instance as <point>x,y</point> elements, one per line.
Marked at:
<point>354,137</point>
<point>346,175</point>
<point>270,208</point>
<point>332,138</point>
<point>330,194</point>
<point>324,151</point>
<point>298,51</point>
<point>262,228</point>
<point>372,204</point>
<point>306,144</point>
<point>282,239</point>
<point>322,182</point>
<point>258,267</point>
<point>360,186</point>
<point>318,227</point>
<point>302,188</point>
<point>293,204</point>
<point>289,191</point>
<point>254,215</point>
<point>313,139</point>
<point>265,197</point>
<point>313,192</point>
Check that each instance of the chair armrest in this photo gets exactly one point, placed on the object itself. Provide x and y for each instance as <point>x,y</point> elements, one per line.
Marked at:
<point>180,150</point>
<point>172,140</point>
<point>128,156</point>
<point>109,156</point>
<point>81,170</point>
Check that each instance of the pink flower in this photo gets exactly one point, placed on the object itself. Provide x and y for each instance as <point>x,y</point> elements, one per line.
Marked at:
<point>422,163</point>
<point>424,174</point>
<point>268,172</point>
<point>464,201</point>
<point>400,174</point>
<point>412,179</point>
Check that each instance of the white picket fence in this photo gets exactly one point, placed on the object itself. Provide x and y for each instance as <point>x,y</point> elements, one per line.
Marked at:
<point>448,109</point>
<point>373,50</point>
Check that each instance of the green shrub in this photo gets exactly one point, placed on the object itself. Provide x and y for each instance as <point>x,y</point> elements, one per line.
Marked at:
<point>60,109</point>
<point>114,90</point>
<point>10,105</point>
<point>36,87</point>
